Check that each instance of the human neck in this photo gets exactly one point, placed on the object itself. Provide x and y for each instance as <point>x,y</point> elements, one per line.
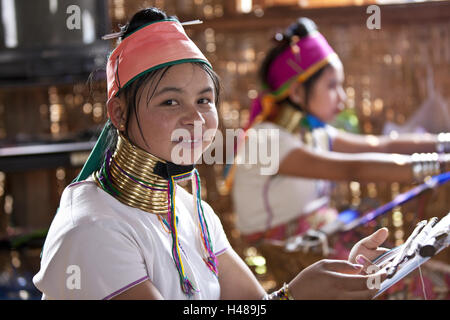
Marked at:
<point>289,117</point>
<point>138,178</point>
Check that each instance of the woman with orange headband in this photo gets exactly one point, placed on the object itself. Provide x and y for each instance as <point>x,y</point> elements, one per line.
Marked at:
<point>303,79</point>
<point>124,228</point>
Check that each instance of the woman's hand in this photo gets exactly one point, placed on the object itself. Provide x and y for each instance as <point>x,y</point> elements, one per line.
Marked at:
<point>331,279</point>
<point>368,248</point>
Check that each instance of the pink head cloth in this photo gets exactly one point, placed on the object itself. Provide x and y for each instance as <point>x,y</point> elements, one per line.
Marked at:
<point>153,46</point>
<point>298,61</point>
<point>311,50</point>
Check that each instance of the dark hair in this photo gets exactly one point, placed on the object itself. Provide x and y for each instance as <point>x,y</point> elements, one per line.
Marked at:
<point>130,92</point>
<point>301,28</point>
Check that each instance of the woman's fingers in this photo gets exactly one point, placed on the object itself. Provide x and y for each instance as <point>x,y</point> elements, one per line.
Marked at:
<point>342,266</point>
<point>381,251</point>
<point>362,260</point>
<point>348,281</point>
<point>369,268</point>
<point>336,279</point>
<point>369,246</point>
<point>347,275</point>
<point>365,288</point>
<point>375,239</point>
<point>373,254</point>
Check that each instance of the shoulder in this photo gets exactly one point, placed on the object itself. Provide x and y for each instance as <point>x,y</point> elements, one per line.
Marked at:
<point>105,252</point>
<point>87,213</point>
<point>84,202</point>
<point>85,227</point>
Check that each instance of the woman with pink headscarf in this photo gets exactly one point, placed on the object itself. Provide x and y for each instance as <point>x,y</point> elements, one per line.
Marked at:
<point>302,92</point>
<point>125,228</point>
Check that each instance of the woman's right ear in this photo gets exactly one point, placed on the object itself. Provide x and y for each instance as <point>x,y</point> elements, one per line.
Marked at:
<point>297,93</point>
<point>116,113</point>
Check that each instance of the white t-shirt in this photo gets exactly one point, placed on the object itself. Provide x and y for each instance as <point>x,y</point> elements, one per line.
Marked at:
<point>98,247</point>
<point>264,201</point>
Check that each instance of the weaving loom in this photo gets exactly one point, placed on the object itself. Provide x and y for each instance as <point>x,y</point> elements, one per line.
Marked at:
<point>426,241</point>
<point>348,220</point>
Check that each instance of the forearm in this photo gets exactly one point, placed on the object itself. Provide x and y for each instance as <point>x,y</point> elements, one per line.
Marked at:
<point>402,144</point>
<point>369,167</point>
<point>363,167</point>
<point>378,167</point>
<point>372,167</point>
<point>411,143</point>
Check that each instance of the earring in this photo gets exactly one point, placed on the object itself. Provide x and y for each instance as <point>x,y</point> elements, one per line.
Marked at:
<point>121,127</point>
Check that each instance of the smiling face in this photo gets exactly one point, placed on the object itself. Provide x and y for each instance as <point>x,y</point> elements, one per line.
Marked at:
<point>327,94</point>
<point>175,113</point>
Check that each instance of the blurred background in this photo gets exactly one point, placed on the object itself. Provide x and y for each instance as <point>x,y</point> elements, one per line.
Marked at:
<point>397,80</point>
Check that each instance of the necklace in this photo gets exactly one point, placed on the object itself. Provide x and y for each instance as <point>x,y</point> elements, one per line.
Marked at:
<point>144,181</point>
<point>289,118</point>
<point>129,176</point>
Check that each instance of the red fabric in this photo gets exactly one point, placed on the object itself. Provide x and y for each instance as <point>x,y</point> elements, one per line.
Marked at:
<point>156,44</point>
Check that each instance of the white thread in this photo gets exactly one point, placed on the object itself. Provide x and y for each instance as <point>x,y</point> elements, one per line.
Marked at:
<point>423,283</point>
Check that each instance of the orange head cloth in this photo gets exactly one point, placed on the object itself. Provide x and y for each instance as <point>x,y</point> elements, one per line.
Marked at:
<point>155,45</point>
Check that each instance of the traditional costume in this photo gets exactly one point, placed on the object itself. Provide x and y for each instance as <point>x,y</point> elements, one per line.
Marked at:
<point>124,220</point>
<point>282,205</point>
<point>278,207</point>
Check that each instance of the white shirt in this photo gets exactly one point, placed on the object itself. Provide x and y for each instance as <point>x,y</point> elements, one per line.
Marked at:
<point>264,201</point>
<point>98,247</point>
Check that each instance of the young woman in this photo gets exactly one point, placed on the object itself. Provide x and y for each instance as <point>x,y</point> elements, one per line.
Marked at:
<point>303,78</point>
<point>303,91</point>
<point>125,230</point>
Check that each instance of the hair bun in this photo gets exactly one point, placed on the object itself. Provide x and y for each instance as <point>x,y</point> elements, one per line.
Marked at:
<point>301,28</point>
<point>141,18</point>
